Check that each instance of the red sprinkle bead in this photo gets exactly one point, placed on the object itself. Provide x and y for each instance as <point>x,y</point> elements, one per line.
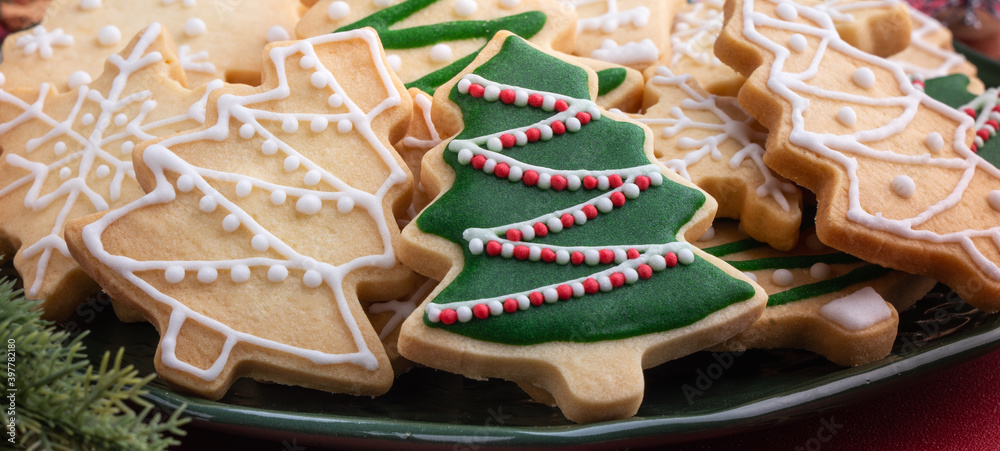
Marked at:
<point>448,316</point>
<point>478,162</point>
<point>576,258</point>
<point>973,148</point>
<point>510,305</point>
<point>996,109</point>
<point>632,253</point>
<point>590,286</point>
<point>671,259</point>
<point>615,180</point>
<point>641,181</point>
<point>590,211</point>
<point>476,90</point>
<point>533,134</point>
<point>501,170</point>
<point>530,177</point>
<point>617,279</point>
<point>507,140</point>
<point>548,255</point>
<point>481,311</point>
<point>564,291</point>
<point>514,235</point>
<point>583,117</point>
<point>541,230</point>
<point>535,100</point>
<point>645,271</point>
<point>606,256</point>
<point>983,134</point>
<point>558,182</point>
<point>993,124</point>
<point>589,182</point>
<point>561,105</point>
<point>508,96</point>
<point>617,199</point>
<point>970,112</point>
<point>567,220</point>
<point>493,248</point>
<point>521,252</point>
<point>536,298</point>
<point>558,127</point>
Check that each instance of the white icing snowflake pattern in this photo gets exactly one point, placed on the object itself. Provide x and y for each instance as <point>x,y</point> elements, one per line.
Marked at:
<point>80,155</point>
<point>195,62</point>
<point>612,18</point>
<point>41,40</point>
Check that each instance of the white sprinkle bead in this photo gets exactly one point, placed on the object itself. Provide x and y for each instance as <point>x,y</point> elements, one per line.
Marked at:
<point>496,308</point>
<point>527,232</point>
<point>121,119</point>
<point>230,223</point>
<point>603,183</point>
<point>76,79</point>
<point>787,11</point>
<point>464,156</point>
<point>194,27</point>
<point>631,275</point>
<point>820,271</point>
<point>207,204</point>
<point>312,278</point>
<point>269,147</point>
<point>464,313</point>
<point>550,295</point>
<point>993,199</point>
<point>591,257</point>
<point>312,177</point>
<point>510,3</point>
<point>277,273</point>
<point>88,5</point>
<point>523,303</point>
<point>308,204</point>
<point>345,126</point>
<point>562,257</point>
<point>578,290</point>
<point>278,197</point>
<point>604,204</point>
<point>534,253</point>
<point>207,274</point>
<point>433,314</point>
<point>338,10</point>
<point>291,163</point>
<point>335,100</point>
<point>441,53</point>
<point>247,131</point>
<point>277,33</point>
<point>554,224</point>
<point>507,250</point>
<point>657,262</point>
<point>395,62</point>
<point>102,171</point>
<point>463,86</point>
<point>318,124</point>
<point>863,77</point>
<point>65,173</point>
<point>546,132</point>
<point>465,8</point>
<point>847,116</point>
<point>476,246</point>
<point>127,147</point>
<point>243,188</point>
<point>174,274</point>
<point>240,273</point>
<point>521,97</point>
<point>685,256</point>
<point>798,43</point>
<point>290,125</point>
<point>494,144</point>
<point>573,124</point>
<point>345,204</point>
<point>185,183</point>
<point>259,243</point>
<point>109,35</point>
<point>631,190</point>
<point>319,79</point>
<point>491,93</point>
<point>750,276</point>
<point>515,174</point>
<point>87,119</point>
<point>903,186</point>
<point>548,103</point>
<point>60,147</point>
<point>605,284</point>
<point>573,182</point>
<point>544,181</point>
<point>580,217</point>
<point>782,277</point>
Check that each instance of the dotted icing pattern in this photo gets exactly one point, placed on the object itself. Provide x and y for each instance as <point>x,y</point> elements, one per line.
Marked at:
<point>804,32</point>
<point>68,164</point>
<point>311,195</point>
<point>561,260</point>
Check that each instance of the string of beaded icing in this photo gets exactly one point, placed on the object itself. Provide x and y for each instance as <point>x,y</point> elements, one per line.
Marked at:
<point>985,110</point>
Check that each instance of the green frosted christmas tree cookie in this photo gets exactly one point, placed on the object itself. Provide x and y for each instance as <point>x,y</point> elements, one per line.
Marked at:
<point>560,243</point>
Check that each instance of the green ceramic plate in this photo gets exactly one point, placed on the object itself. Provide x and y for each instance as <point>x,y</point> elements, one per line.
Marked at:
<point>702,395</point>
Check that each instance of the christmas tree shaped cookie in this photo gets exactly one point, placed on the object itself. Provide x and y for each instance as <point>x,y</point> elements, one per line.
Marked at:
<point>819,299</point>
<point>261,231</point>
<point>711,141</point>
<point>69,154</point>
<point>216,39</point>
<point>560,244</point>
<point>895,173</point>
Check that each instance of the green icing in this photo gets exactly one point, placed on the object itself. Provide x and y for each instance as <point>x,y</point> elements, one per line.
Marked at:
<point>858,275</point>
<point>672,298</point>
<point>525,24</point>
<point>609,79</point>
<point>723,250</point>
<point>793,261</point>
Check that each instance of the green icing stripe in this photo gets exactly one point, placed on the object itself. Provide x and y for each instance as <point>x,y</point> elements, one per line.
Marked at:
<point>723,250</point>
<point>525,24</point>
<point>609,79</point>
<point>793,261</point>
<point>858,275</point>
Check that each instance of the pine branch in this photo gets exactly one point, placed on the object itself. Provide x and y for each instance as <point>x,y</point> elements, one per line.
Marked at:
<point>61,401</point>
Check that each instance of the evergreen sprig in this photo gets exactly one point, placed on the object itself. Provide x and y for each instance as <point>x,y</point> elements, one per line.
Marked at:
<point>60,401</point>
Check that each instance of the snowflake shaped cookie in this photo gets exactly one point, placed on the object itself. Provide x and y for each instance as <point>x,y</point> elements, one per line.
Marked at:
<point>69,154</point>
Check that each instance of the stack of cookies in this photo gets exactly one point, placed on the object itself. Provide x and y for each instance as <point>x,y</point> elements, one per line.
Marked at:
<point>326,193</point>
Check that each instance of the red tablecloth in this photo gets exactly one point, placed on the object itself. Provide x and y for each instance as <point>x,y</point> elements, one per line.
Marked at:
<point>955,409</point>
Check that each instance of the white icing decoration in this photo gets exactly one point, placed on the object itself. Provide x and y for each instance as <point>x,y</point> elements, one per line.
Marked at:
<point>630,53</point>
<point>77,79</point>
<point>194,27</point>
<point>277,33</point>
<point>161,160</point>
<point>993,198</point>
<point>786,11</point>
<point>793,86</point>
<point>695,30</point>
<point>441,53</point>
<point>934,142</point>
<point>109,35</point>
<point>820,271</point>
<point>936,61</point>
<point>510,3</point>
<point>730,128</point>
<point>395,62</point>
<point>40,40</point>
<point>857,311</point>
<point>382,3</point>
<point>609,22</point>
<point>708,235</point>
<point>195,62</point>
<point>465,8</point>
<point>863,77</point>
<point>422,103</point>
<point>847,116</point>
<point>903,186</point>
<point>338,10</point>
<point>400,309</point>
<point>798,43</point>
<point>91,150</point>
<point>88,5</point>
<point>782,277</point>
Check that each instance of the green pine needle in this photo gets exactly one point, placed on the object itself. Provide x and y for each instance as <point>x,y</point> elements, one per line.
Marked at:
<point>62,402</point>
